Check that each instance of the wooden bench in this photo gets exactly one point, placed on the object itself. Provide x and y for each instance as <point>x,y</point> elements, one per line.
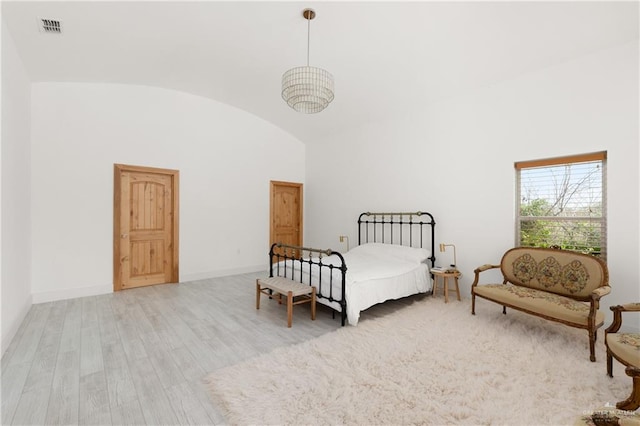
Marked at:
<point>291,289</point>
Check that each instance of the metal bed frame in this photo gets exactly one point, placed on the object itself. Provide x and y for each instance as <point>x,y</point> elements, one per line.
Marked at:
<point>282,263</point>
<point>413,229</point>
<point>413,224</point>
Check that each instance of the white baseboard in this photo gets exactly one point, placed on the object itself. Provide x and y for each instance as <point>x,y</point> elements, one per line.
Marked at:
<point>71,293</point>
<point>222,273</point>
<point>15,325</point>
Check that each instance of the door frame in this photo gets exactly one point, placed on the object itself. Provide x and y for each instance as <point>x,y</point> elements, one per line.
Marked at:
<point>117,206</point>
<point>300,187</point>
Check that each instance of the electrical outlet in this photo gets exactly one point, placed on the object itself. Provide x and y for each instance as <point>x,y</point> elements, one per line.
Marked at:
<point>344,238</point>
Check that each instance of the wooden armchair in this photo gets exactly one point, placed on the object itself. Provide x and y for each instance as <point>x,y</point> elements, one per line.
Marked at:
<point>625,347</point>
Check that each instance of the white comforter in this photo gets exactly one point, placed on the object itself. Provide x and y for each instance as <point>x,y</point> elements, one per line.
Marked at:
<point>375,273</point>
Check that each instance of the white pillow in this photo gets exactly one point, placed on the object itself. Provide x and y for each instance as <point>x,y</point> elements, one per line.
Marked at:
<point>408,254</point>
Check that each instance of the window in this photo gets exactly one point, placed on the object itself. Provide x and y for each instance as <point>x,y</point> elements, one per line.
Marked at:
<point>562,202</point>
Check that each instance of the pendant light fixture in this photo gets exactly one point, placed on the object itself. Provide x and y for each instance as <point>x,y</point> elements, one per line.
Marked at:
<point>307,89</point>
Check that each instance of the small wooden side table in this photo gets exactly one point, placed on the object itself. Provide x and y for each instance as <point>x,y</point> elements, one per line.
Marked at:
<point>445,281</point>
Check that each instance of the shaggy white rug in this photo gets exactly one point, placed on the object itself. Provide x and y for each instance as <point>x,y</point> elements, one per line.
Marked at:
<point>427,363</point>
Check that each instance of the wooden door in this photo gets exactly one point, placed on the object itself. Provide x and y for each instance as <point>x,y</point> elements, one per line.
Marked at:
<point>286,213</point>
<point>145,239</point>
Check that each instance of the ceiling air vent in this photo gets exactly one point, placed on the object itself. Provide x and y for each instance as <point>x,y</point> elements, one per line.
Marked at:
<point>52,26</point>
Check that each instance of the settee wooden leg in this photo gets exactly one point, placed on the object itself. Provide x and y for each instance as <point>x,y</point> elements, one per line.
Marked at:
<point>473,303</point>
<point>609,363</point>
<point>504,310</point>
<point>592,346</point>
<point>257,294</point>
<point>633,402</point>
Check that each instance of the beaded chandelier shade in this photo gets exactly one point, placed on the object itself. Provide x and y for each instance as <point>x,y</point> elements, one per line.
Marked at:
<point>307,89</point>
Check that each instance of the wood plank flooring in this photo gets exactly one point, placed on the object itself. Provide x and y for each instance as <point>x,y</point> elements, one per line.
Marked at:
<point>139,356</point>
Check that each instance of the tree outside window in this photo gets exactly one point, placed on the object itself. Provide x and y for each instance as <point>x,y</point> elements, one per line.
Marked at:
<point>561,202</point>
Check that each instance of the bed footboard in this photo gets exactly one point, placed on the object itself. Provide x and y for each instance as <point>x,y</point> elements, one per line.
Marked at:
<point>313,267</point>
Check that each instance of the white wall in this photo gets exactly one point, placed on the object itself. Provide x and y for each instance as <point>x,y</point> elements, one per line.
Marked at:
<point>455,159</point>
<point>16,188</point>
<point>226,159</point>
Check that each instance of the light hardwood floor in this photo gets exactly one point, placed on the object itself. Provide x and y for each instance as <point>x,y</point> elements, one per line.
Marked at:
<point>139,356</point>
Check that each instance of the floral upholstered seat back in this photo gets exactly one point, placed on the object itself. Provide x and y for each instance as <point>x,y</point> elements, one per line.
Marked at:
<point>558,271</point>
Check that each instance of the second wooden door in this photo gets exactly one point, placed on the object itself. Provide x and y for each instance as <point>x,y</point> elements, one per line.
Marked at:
<point>286,213</point>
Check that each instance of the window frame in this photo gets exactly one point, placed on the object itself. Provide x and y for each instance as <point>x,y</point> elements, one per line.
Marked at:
<point>600,156</point>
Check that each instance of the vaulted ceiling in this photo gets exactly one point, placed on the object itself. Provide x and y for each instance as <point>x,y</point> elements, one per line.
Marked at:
<point>387,57</point>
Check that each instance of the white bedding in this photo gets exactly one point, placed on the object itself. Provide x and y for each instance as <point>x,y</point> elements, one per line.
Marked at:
<point>375,273</point>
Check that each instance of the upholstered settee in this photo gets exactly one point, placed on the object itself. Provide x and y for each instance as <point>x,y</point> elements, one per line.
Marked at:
<point>558,285</point>
<point>625,347</point>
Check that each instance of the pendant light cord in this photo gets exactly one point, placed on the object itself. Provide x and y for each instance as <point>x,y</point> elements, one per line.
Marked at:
<point>308,38</point>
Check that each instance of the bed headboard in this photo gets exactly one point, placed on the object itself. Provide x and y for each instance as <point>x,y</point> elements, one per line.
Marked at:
<point>414,229</point>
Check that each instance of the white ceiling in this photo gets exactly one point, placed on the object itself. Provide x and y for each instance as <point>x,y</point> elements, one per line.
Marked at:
<point>387,57</point>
